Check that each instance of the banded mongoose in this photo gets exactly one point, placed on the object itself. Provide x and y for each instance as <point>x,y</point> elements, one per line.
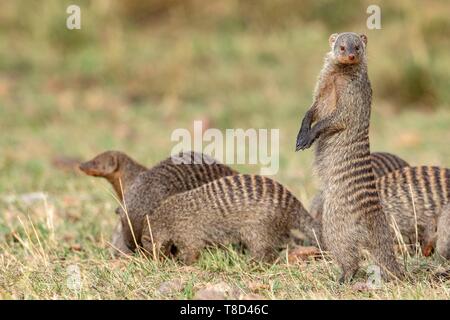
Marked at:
<point>352,217</point>
<point>113,165</point>
<point>120,170</point>
<point>382,163</point>
<point>252,210</point>
<point>415,200</point>
<point>176,174</point>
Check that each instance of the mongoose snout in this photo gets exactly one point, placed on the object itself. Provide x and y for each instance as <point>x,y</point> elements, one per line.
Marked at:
<point>102,165</point>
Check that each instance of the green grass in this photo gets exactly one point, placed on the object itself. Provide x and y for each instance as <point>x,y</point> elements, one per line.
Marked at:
<point>128,87</point>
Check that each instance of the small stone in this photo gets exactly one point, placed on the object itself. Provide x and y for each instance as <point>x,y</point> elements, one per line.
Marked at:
<point>219,291</point>
<point>171,286</point>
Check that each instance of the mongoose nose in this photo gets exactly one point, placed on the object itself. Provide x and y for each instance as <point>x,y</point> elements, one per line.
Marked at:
<point>83,166</point>
<point>351,56</point>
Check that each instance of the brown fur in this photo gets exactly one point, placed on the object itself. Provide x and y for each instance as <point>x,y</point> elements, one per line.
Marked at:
<point>154,186</point>
<point>352,217</point>
<point>120,170</point>
<point>115,165</point>
<point>241,209</point>
<point>443,233</point>
<point>382,164</point>
<point>416,199</point>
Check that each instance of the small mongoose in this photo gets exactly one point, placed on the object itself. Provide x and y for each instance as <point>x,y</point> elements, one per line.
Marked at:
<point>176,174</point>
<point>120,170</point>
<point>252,210</point>
<point>414,200</point>
<point>352,217</point>
<point>382,163</point>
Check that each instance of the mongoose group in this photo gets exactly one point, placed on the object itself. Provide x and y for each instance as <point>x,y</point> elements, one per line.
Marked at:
<point>177,208</point>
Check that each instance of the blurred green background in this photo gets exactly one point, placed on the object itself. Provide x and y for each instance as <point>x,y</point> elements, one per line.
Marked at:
<point>137,70</point>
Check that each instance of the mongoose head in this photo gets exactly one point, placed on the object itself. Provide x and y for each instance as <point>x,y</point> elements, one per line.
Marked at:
<point>348,47</point>
<point>104,165</point>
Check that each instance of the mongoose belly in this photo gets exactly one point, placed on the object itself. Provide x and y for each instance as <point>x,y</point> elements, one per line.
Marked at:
<point>382,164</point>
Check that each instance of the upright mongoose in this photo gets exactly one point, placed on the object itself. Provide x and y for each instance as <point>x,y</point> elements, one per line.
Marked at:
<point>251,210</point>
<point>167,178</point>
<point>184,172</point>
<point>382,163</point>
<point>120,170</point>
<point>352,217</point>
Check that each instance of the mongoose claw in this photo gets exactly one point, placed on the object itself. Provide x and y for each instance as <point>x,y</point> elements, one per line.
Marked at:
<point>303,141</point>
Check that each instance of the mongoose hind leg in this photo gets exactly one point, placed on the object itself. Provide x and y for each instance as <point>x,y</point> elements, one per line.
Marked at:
<point>187,254</point>
<point>259,248</point>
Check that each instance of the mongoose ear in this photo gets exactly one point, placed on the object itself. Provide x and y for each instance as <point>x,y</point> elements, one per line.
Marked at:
<point>332,39</point>
<point>112,164</point>
<point>363,38</point>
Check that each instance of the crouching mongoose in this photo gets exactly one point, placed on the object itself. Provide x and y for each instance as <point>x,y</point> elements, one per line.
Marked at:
<point>176,174</point>
<point>166,178</point>
<point>254,211</point>
<point>352,213</point>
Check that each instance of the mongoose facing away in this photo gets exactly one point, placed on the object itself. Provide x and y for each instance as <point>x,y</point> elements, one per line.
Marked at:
<point>415,200</point>
<point>120,170</point>
<point>352,214</point>
<point>251,210</point>
<point>382,163</point>
<point>167,178</point>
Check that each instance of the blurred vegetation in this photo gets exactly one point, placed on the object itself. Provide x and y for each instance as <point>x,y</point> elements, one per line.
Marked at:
<point>137,70</point>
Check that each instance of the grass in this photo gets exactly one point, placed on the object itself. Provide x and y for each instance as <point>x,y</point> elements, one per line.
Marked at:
<point>128,87</point>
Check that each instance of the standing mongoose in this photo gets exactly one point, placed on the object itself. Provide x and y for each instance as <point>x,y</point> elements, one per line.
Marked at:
<point>352,217</point>
<point>121,171</point>
<point>173,175</point>
<point>382,163</point>
<point>251,210</point>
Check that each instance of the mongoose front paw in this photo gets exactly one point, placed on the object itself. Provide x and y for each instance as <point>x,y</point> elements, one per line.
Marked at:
<point>303,141</point>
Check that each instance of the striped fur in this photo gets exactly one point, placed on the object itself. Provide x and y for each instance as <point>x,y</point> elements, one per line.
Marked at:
<point>352,215</point>
<point>252,210</point>
<point>413,199</point>
<point>145,189</point>
<point>382,163</point>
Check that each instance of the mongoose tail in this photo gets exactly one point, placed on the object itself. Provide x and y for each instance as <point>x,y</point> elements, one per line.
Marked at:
<point>116,167</point>
<point>252,210</point>
<point>353,217</point>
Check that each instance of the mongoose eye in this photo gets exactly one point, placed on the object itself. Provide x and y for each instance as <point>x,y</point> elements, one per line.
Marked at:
<point>342,48</point>
<point>357,48</point>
